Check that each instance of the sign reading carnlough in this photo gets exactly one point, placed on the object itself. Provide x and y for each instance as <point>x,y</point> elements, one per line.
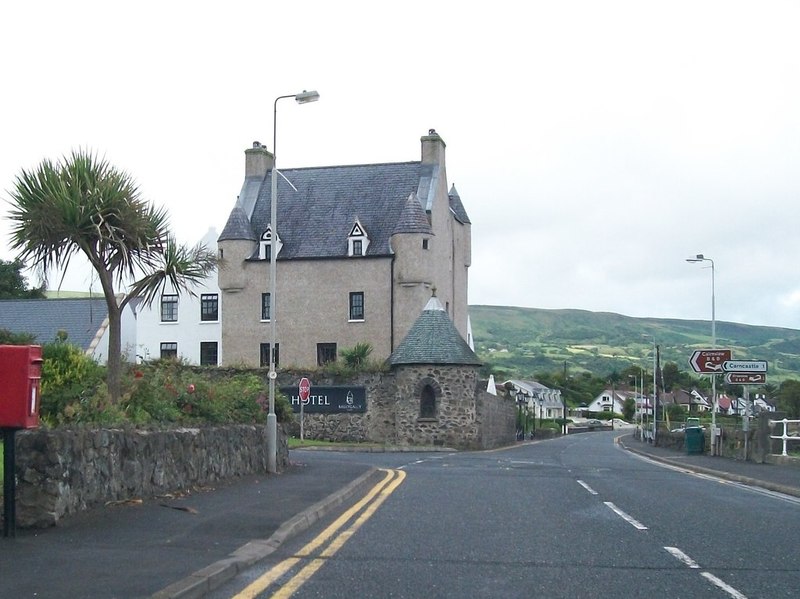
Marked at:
<point>329,400</point>
<point>746,378</point>
<point>709,361</point>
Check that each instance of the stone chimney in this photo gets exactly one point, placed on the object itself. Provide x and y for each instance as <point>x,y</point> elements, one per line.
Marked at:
<point>432,148</point>
<point>257,161</point>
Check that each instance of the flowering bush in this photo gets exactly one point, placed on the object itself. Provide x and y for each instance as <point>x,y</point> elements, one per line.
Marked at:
<point>157,393</point>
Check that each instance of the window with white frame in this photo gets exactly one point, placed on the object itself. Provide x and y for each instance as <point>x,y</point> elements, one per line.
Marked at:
<point>209,307</point>
<point>357,240</point>
<point>209,353</point>
<point>357,305</point>
<point>169,308</point>
<point>266,306</point>
<point>265,245</point>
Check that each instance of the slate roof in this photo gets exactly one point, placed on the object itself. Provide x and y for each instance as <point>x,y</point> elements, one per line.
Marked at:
<point>315,218</point>
<point>433,339</point>
<point>81,318</point>
<point>457,207</point>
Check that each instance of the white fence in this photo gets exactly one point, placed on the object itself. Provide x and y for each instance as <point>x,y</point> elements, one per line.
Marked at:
<point>791,431</point>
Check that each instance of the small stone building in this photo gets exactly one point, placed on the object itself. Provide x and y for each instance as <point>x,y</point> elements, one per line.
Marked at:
<point>432,396</point>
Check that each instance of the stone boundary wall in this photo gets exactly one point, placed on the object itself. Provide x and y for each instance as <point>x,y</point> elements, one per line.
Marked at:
<point>65,471</point>
<point>374,425</point>
<point>467,416</point>
<point>498,417</point>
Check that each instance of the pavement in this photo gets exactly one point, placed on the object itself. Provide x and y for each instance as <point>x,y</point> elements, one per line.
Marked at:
<point>185,546</point>
<point>781,478</point>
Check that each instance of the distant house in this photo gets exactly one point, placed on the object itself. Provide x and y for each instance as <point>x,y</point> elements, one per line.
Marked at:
<point>540,400</point>
<point>84,320</point>
<point>183,326</point>
<point>692,401</point>
<point>610,400</point>
<point>359,250</point>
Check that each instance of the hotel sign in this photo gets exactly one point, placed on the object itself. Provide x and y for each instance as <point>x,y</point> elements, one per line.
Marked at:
<point>329,400</point>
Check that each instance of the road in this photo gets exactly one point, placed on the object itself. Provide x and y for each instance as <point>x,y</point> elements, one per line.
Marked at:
<point>570,517</point>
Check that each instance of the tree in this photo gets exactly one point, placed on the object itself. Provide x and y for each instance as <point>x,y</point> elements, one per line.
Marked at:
<point>789,398</point>
<point>83,204</point>
<point>12,283</point>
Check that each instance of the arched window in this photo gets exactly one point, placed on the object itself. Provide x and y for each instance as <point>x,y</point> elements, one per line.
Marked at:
<point>427,402</point>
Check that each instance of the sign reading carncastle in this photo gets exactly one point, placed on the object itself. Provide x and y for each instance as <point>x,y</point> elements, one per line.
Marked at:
<point>329,400</point>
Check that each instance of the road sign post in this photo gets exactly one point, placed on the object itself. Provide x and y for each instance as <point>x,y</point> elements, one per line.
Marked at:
<point>746,378</point>
<point>709,361</point>
<point>745,366</point>
<point>304,391</point>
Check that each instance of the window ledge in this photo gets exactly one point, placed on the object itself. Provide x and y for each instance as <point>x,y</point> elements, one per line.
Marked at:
<point>421,419</point>
<point>356,320</point>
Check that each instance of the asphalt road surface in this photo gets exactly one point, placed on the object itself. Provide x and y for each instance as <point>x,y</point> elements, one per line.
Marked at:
<point>570,517</point>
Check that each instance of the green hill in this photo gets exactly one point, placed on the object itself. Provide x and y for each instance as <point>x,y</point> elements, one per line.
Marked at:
<point>525,341</point>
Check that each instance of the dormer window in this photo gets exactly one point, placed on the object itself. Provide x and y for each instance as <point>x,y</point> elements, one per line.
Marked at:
<point>265,245</point>
<point>357,241</point>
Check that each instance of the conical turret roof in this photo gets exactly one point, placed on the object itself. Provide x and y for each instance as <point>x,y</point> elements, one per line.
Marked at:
<point>433,339</point>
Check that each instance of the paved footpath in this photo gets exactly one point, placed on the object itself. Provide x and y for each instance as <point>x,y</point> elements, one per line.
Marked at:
<point>154,548</point>
<point>774,477</point>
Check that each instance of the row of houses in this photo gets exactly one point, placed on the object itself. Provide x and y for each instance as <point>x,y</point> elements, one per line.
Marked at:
<point>692,401</point>
<point>360,249</point>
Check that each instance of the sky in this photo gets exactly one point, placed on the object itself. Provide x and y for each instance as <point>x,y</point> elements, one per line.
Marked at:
<point>595,145</point>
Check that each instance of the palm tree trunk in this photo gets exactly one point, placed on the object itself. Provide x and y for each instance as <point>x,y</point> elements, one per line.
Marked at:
<point>114,362</point>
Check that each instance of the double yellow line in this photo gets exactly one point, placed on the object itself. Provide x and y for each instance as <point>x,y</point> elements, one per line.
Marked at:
<point>331,537</point>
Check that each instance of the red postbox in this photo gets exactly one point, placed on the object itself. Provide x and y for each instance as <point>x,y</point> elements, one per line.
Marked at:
<point>20,374</point>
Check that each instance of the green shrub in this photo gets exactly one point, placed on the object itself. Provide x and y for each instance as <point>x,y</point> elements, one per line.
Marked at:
<point>9,338</point>
<point>356,356</point>
<point>69,377</point>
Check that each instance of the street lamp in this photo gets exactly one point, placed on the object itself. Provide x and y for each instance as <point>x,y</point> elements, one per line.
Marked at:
<point>520,421</point>
<point>541,401</point>
<point>702,258</point>
<point>655,387</point>
<point>272,422</point>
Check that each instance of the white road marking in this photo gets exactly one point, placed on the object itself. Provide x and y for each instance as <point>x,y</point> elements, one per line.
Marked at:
<point>723,585</point>
<point>681,556</point>
<point>587,487</point>
<point>629,519</point>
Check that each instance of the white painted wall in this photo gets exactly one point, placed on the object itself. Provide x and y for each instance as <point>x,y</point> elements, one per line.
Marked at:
<point>189,331</point>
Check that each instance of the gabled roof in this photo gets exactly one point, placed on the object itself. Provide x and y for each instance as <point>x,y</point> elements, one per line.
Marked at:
<point>81,318</point>
<point>433,339</point>
<point>317,210</point>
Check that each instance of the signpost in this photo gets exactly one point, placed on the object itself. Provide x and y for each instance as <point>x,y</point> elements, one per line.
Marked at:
<point>709,361</point>
<point>746,378</point>
<point>304,391</point>
<point>745,366</point>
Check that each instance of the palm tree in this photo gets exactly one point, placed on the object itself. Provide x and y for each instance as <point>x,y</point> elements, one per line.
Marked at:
<point>83,204</point>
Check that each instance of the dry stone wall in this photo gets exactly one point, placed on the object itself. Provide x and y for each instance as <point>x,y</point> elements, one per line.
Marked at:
<point>62,472</point>
<point>467,417</point>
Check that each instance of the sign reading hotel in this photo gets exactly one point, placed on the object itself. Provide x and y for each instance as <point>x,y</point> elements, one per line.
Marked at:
<point>329,400</point>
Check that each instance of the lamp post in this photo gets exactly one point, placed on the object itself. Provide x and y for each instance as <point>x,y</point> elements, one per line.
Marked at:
<point>655,387</point>
<point>272,422</point>
<point>541,401</point>
<point>702,258</point>
<point>520,421</point>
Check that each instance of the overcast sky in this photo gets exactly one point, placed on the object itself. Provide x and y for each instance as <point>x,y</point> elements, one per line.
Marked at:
<point>595,145</point>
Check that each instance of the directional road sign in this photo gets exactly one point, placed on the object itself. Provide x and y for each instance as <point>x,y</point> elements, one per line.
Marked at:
<point>709,361</point>
<point>746,378</point>
<point>744,365</point>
